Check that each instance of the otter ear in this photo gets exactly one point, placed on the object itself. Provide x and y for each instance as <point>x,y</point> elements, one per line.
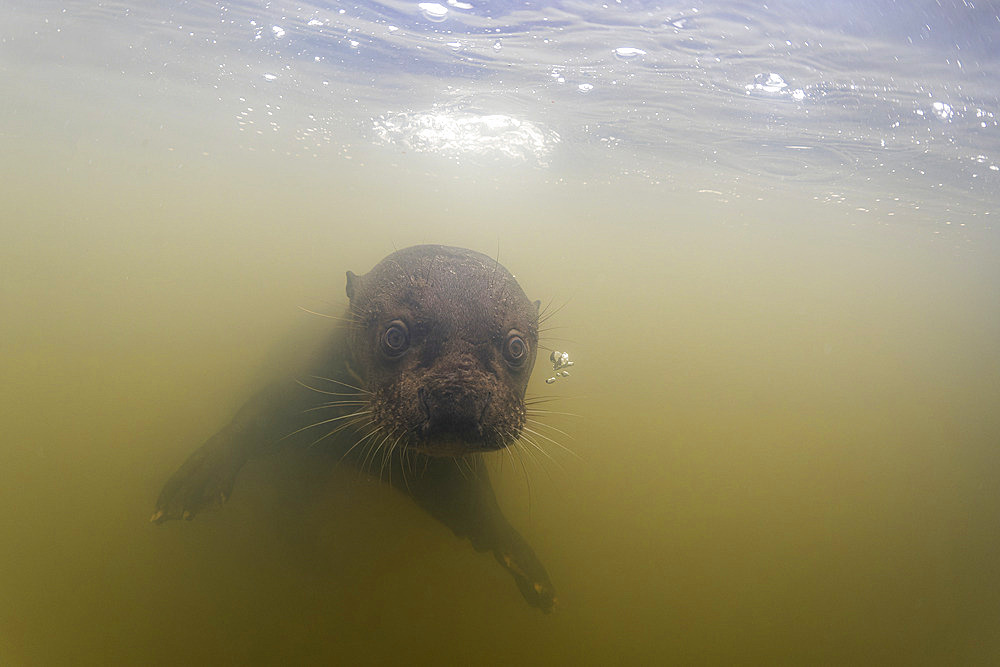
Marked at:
<point>538,306</point>
<point>351,281</point>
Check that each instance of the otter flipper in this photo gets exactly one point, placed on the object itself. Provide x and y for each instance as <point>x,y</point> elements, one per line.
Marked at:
<point>459,495</point>
<point>512,551</point>
<point>206,478</point>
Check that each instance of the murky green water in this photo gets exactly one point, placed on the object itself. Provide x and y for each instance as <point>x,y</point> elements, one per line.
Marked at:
<point>784,417</point>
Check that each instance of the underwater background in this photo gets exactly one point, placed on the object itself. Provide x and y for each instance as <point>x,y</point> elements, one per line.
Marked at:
<point>768,233</point>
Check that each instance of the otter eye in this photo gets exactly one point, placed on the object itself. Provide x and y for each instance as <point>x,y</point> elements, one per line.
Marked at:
<point>395,338</point>
<point>515,349</point>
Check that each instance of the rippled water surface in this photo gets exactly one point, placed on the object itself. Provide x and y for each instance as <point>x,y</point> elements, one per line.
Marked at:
<point>768,231</point>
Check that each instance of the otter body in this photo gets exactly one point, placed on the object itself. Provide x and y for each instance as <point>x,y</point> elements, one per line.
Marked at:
<point>426,374</point>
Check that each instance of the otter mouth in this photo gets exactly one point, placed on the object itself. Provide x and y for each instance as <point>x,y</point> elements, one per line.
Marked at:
<point>452,446</point>
<point>455,425</point>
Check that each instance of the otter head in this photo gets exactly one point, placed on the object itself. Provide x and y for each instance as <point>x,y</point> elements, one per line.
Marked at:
<point>444,340</point>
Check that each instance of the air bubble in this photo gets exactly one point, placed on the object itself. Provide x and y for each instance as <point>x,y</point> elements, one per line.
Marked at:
<point>769,83</point>
<point>433,11</point>
<point>628,52</point>
<point>943,111</point>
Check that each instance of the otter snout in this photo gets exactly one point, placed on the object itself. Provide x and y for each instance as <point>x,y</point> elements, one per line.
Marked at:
<point>453,412</point>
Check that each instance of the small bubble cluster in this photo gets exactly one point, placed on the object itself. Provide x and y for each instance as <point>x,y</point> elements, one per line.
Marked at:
<point>560,362</point>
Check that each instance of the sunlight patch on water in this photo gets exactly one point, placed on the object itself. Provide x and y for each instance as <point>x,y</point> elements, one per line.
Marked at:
<point>456,134</point>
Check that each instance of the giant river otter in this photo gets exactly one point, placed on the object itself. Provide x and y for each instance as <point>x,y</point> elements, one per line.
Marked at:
<point>426,373</point>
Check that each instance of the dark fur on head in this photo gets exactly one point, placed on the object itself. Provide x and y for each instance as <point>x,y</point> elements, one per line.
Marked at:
<point>444,339</point>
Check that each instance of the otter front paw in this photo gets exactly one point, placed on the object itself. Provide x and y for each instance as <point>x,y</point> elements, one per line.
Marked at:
<point>204,481</point>
<point>530,577</point>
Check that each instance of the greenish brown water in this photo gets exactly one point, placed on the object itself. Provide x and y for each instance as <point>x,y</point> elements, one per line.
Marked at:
<point>784,413</point>
<point>786,436</point>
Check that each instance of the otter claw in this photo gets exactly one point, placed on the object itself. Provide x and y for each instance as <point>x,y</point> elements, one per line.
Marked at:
<point>204,480</point>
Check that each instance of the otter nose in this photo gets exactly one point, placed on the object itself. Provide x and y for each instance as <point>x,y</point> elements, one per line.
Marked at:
<point>451,411</point>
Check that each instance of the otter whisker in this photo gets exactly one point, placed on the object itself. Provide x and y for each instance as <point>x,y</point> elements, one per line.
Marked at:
<point>525,439</point>
<point>360,422</point>
<point>380,449</point>
<point>327,421</point>
<point>357,316</point>
<point>540,400</point>
<point>374,450</point>
<point>548,311</point>
<point>541,450</point>
<point>321,391</point>
<point>351,400</point>
<point>513,451</point>
<point>458,464</point>
<point>403,456</point>
<point>554,442</point>
<point>518,449</point>
<point>334,404</point>
<point>331,317</point>
<point>505,450</point>
<point>406,459</point>
<point>561,339</point>
<point>535,422</point>
<point>420,463</point>
<point>534,411</point>
<point>388,456</point>
<point>332,432</point>
<point>344,384</point>
<point>359,441</point>
<point>403,273</point>
<point>406,462</point>
<point>369,450</point>
<point>328,393</point>
<point>426,460</point>
<point>535,398</point>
